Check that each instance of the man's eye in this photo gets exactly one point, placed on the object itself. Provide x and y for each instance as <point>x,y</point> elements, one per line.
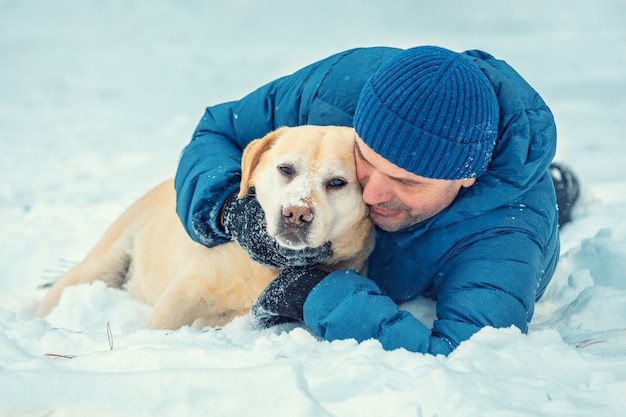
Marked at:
<point>337,183</point>
<point>286,170</point>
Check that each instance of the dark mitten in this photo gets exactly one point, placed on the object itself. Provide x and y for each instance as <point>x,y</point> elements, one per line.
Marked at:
<point>244,220</point>
<point>283,299</point>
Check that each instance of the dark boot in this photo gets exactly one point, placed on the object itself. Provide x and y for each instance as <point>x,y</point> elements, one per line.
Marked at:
<point>567,190</point>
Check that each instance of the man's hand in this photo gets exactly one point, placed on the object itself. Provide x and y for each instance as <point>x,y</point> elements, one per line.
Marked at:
<point>283,299</point>
<point>244,220</point>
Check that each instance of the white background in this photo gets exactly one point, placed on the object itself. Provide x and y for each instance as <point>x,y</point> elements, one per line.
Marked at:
<point>98,98</point>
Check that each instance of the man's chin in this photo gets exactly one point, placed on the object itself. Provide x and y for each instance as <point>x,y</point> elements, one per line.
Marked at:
<point>393,223</point>
<point>388,223</point>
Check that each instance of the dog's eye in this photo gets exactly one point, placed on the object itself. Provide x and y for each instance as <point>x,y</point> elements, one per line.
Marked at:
<point>286,170</point>
<point>337,183</point>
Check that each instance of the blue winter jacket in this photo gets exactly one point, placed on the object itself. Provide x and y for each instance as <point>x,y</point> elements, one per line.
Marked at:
<point>486,259</point>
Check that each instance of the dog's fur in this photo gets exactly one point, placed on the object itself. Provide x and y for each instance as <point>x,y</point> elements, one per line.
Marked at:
<point>298,174</point>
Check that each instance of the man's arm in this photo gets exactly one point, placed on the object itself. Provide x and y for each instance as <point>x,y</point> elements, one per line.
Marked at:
<point>210,166</point>
<point>493,283</point>
<point>323,93</point>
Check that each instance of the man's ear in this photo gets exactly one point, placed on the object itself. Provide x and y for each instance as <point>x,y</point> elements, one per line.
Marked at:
<point>251,156</point>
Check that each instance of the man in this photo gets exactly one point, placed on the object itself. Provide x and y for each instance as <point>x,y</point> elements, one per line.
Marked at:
<point>453,153</point>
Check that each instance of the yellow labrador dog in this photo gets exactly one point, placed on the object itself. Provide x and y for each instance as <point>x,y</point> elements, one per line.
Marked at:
<point>147,250</point>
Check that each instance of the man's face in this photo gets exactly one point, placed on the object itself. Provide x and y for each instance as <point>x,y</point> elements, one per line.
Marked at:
<point>398,198</point>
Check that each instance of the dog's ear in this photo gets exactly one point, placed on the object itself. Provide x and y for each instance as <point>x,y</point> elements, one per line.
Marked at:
<point>251,156</point>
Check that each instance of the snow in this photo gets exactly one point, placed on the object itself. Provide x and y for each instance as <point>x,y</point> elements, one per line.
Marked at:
<point>98,98</point>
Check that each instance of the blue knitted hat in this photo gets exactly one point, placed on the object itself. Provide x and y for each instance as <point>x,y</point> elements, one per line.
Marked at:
<point>432,112</point>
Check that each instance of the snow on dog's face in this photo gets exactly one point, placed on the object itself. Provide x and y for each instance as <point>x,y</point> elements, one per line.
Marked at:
<point>305,181</point>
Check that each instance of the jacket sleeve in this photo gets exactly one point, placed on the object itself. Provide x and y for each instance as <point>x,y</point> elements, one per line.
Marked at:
<point>484,285</point>
<point>493,282</point>
<point>346,305</point>
<point>210,166</point>
<point>323,93</point>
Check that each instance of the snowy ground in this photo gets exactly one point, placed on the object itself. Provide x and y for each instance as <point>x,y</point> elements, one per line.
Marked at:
<point>97,98</point>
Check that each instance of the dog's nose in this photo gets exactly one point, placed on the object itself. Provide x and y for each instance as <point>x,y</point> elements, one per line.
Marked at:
<point>297,215</point>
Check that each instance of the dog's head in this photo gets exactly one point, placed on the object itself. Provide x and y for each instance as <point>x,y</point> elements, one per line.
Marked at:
<point>305,181</point>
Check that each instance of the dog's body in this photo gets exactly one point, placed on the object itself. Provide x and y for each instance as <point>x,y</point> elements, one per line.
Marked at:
<point>305,181</point>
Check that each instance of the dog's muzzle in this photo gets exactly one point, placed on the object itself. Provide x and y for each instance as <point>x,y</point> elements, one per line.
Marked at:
<point>295,225</point>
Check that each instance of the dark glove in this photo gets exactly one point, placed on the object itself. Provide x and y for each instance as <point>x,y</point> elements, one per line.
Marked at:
<point>244,220</point>
<point>283,299</point>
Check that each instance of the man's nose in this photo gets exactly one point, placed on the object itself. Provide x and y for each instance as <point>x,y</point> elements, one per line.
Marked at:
<point>376,190</point>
